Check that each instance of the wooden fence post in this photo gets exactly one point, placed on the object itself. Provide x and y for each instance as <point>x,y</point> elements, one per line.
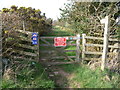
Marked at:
<point>38,52</point>
<point>105,46</point>
<point>0,35</point>
<point>83,46</point>
<point>1,46</point>
<point>78,47</point>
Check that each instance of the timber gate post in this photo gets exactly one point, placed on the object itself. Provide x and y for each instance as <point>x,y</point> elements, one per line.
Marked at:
<point>105,46</point>
<point>83,46</point>
<point>78,47</point>
<point>0,36</point>
<point>38,47</point>
<point>0,46</point>
<point>38,52</point>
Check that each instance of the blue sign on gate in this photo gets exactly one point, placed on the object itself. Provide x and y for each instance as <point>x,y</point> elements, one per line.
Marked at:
<point>34,38</point>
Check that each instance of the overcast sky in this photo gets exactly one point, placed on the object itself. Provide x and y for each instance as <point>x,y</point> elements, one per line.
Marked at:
<point>50,7</point>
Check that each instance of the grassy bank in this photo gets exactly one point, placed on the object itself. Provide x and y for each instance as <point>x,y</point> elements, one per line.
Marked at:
<point>87,78</point>
<point>33,75</point>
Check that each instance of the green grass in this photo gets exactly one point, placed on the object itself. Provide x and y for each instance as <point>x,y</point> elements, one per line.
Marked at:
<point>82,74</point>
<point>32,76</point>
<point>88,78</point>
<point>59,32</point>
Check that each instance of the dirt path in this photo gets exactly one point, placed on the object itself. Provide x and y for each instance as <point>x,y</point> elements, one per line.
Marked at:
<point>61,78</point>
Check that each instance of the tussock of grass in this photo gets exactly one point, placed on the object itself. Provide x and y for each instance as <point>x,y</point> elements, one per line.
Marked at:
<point>32,76</point>
<point>92,79</point>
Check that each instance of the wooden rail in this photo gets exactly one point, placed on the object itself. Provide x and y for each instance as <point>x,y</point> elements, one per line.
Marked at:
<point>88,59</point>
<point>88,52</point>
<point>100,45</point>
<point>53,51</point>
<point>101,38</point>
<point>85,44</point>
<point>67,37</point>
<point>25,53</point>
<point>53,45</point>
<point>24,49</point>
<point>59,57</point>
<point>70,40</point>
<point>25,32</point>
<point>97,38</point>
<point>20,38</point>
<point>19,45</point>
<point>27,46</point>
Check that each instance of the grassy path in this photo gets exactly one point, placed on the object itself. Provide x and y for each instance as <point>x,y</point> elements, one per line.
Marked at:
<point>56,72</point>
<point>76,75</point>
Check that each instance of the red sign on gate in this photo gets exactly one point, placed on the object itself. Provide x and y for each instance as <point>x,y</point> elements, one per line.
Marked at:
<point>59,41</point>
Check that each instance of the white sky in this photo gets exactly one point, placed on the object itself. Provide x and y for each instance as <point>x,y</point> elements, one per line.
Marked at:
<point>50,7</point>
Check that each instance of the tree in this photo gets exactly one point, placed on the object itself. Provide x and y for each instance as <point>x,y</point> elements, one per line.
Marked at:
<point>84,17</point>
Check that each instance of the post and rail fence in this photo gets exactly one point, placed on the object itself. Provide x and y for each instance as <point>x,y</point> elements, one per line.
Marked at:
<point>17,44</point>
<point>20,39</point>
<point>85,45</point>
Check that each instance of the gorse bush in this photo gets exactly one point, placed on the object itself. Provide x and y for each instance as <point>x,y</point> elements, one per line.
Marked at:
<point>28,19</point>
